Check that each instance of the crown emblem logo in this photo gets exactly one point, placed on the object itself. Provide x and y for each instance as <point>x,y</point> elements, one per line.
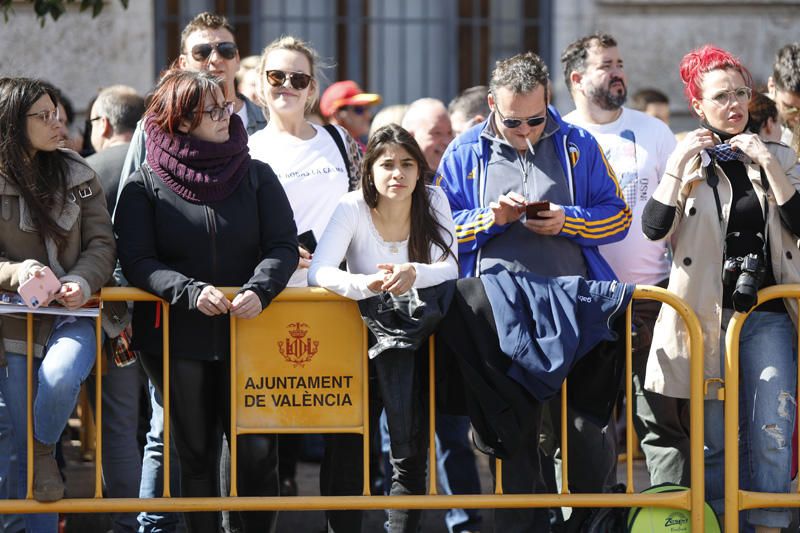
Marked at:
<point>296,348</point>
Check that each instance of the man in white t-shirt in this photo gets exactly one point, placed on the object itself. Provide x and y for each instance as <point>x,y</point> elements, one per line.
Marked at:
<point>637,147</point>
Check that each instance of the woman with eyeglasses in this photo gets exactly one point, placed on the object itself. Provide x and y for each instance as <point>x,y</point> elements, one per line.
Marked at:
<point>729,204</point>
<point>396,233</point>
<point>53,215</point>
<point>201,214</point>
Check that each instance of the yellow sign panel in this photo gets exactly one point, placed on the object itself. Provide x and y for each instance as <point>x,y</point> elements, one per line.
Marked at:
<point>300,365</point>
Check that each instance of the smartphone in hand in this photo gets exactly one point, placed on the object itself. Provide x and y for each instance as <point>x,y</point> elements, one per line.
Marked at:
<point>532,209</point>
<point>307,241</point>
<point>40,289</point>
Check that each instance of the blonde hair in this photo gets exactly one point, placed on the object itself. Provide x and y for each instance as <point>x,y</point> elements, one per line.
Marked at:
<point>294,44</point>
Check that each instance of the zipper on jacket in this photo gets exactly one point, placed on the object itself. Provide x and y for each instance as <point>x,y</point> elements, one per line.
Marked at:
<point>211,224</point>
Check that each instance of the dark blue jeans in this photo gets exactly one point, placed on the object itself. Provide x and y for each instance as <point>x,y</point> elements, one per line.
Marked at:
<point>396,379</point>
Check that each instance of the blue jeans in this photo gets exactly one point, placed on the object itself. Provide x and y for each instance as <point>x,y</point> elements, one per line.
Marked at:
<point>767,369</point>
<point>456,470</point>
<point>9,523</point>
<point>69,357</point>
<point>152,482</point>
<point>122,462</point>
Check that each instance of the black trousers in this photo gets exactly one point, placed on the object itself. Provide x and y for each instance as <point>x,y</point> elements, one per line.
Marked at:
<point>199,416</point>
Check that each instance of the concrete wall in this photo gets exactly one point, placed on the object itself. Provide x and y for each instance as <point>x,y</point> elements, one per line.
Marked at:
<point>80,54</point>
<point>655,34</point>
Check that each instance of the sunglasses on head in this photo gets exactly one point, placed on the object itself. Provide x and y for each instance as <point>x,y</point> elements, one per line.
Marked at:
<point>512,123</point>
<point>201,52</point>
<point>298,80</point>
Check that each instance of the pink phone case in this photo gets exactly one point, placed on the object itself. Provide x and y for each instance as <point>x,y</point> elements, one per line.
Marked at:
<point>39,290</point>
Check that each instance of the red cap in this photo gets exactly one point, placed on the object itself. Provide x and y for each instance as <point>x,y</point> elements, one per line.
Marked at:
<point>344,93</point>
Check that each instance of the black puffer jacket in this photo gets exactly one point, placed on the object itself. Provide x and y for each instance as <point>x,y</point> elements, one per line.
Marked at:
<point>173,248</point>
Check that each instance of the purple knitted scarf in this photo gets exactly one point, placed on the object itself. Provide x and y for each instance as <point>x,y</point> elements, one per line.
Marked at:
<point>198,171</point>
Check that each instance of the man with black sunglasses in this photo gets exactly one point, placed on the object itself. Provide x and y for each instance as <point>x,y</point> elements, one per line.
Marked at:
<point>345,104</point>
<point>637,146</point>
<point>531,193</point>
<point>207,43</point>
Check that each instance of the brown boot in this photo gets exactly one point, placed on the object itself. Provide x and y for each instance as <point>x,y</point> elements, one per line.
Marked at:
<point>47,483</point>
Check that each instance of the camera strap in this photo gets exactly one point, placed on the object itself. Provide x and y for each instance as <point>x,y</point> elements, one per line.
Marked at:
<point>713,181</point>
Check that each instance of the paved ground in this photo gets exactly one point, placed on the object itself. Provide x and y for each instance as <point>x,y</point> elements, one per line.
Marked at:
<point>81,480</point>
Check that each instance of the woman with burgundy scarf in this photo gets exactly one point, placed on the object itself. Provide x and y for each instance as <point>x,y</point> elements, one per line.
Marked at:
<point>730,205</point>
<point>200,214</point>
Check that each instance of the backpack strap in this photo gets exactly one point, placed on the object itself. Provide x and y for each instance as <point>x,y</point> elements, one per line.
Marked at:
<point>147,178</point>
<point>337,138</point>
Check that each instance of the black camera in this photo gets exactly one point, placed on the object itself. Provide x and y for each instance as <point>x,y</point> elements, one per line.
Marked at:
<point>745,274</point>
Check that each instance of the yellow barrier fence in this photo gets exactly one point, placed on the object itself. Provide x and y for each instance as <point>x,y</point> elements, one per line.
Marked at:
<point>313,328</point>
<point>736,499</point>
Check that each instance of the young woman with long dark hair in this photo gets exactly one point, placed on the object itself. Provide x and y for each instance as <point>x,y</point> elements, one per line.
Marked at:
<point>396,233</point>
<point>53,214</point>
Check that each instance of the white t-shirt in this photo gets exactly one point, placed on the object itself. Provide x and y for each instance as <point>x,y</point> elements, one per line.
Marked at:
<point>637,146</point>
<point>351,235</point>
<point>243,115</point>
<point>312,173</point>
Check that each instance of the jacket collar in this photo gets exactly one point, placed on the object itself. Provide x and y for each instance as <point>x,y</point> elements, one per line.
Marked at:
<point>78,172</point>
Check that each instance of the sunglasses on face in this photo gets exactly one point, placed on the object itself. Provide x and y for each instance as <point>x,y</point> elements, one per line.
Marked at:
<point>512,123</point>
<point>218,113</point>
<point>201,52</point>
<point>298,80</point>
<point>356,109</point>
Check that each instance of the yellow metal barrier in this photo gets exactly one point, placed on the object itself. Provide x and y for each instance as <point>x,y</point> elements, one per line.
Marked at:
<point>299,354</point>
<point>735,499</point>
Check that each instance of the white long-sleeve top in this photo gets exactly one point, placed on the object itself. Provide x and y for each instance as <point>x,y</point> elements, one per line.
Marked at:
<point>351,235</point>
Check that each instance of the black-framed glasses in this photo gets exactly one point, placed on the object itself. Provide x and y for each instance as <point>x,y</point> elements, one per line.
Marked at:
<point>201,52</point>
<point>96,118</point>
<point>512,123</point>
<point>219,112</point>
<point>46,116</point>
<point>298,80</point>
<point>723,98</point>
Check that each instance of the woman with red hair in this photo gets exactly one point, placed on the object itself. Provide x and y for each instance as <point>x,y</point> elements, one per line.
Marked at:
<point>730,206</point>
<point>201,214</point>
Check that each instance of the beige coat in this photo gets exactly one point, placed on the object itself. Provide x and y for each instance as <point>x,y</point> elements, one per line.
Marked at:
<point>697,238</point>
<point>87,259</point>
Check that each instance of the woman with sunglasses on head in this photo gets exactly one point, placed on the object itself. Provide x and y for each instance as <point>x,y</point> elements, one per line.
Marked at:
<point>396,233</point>
<point>315,164</point>
<point>53,215</point>
<point>729,203</point>
<point>198,215</point>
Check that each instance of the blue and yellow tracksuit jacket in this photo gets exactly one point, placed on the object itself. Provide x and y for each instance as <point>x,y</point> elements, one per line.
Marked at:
<point>598,214</point>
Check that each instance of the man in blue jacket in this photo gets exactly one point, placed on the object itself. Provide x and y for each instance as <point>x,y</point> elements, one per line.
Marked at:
<point>522,154</point>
